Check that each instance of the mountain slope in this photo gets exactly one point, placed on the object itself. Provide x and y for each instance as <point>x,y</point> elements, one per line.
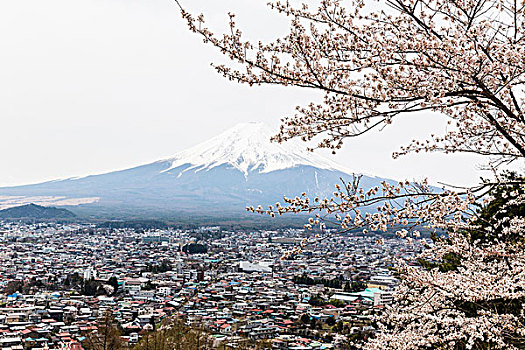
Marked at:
<point>218,177</point>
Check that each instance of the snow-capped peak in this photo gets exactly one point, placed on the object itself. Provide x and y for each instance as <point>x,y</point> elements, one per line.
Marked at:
<point>247,147</point>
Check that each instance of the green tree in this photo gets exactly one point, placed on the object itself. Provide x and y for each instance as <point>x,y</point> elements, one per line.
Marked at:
<point>13,287</point>
<point>305,318</point>
<point>330,321</point>
<point>114,283</point>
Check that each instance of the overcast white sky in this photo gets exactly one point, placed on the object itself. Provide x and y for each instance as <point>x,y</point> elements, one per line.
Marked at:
<point>91,86</point>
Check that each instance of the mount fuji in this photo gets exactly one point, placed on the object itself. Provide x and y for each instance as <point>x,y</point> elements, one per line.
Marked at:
<point>221,176</point>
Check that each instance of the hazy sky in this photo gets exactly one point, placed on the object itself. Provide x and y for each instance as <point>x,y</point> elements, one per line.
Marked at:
<point>90,86</point>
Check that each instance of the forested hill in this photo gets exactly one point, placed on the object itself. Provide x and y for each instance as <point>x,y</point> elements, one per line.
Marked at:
<point>35,212</point>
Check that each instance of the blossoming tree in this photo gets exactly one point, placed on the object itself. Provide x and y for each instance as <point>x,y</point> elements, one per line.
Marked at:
<point>463,59</point>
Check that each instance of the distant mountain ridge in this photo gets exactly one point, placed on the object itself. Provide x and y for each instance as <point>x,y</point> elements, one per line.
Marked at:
<point>221,176</point>
<point>33,211</point>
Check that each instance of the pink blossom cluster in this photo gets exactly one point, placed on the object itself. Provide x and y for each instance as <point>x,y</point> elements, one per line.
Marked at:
<point>374,63</point>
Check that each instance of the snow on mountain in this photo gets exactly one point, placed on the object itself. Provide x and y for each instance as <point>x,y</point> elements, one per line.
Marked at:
<point>247,148</point>
<point>221,176</point>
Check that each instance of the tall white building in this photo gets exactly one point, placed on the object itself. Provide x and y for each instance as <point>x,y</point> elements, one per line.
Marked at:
<point>90,273</point>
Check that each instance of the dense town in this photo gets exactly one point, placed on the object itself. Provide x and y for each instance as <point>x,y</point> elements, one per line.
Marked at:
<point>59,283</point>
